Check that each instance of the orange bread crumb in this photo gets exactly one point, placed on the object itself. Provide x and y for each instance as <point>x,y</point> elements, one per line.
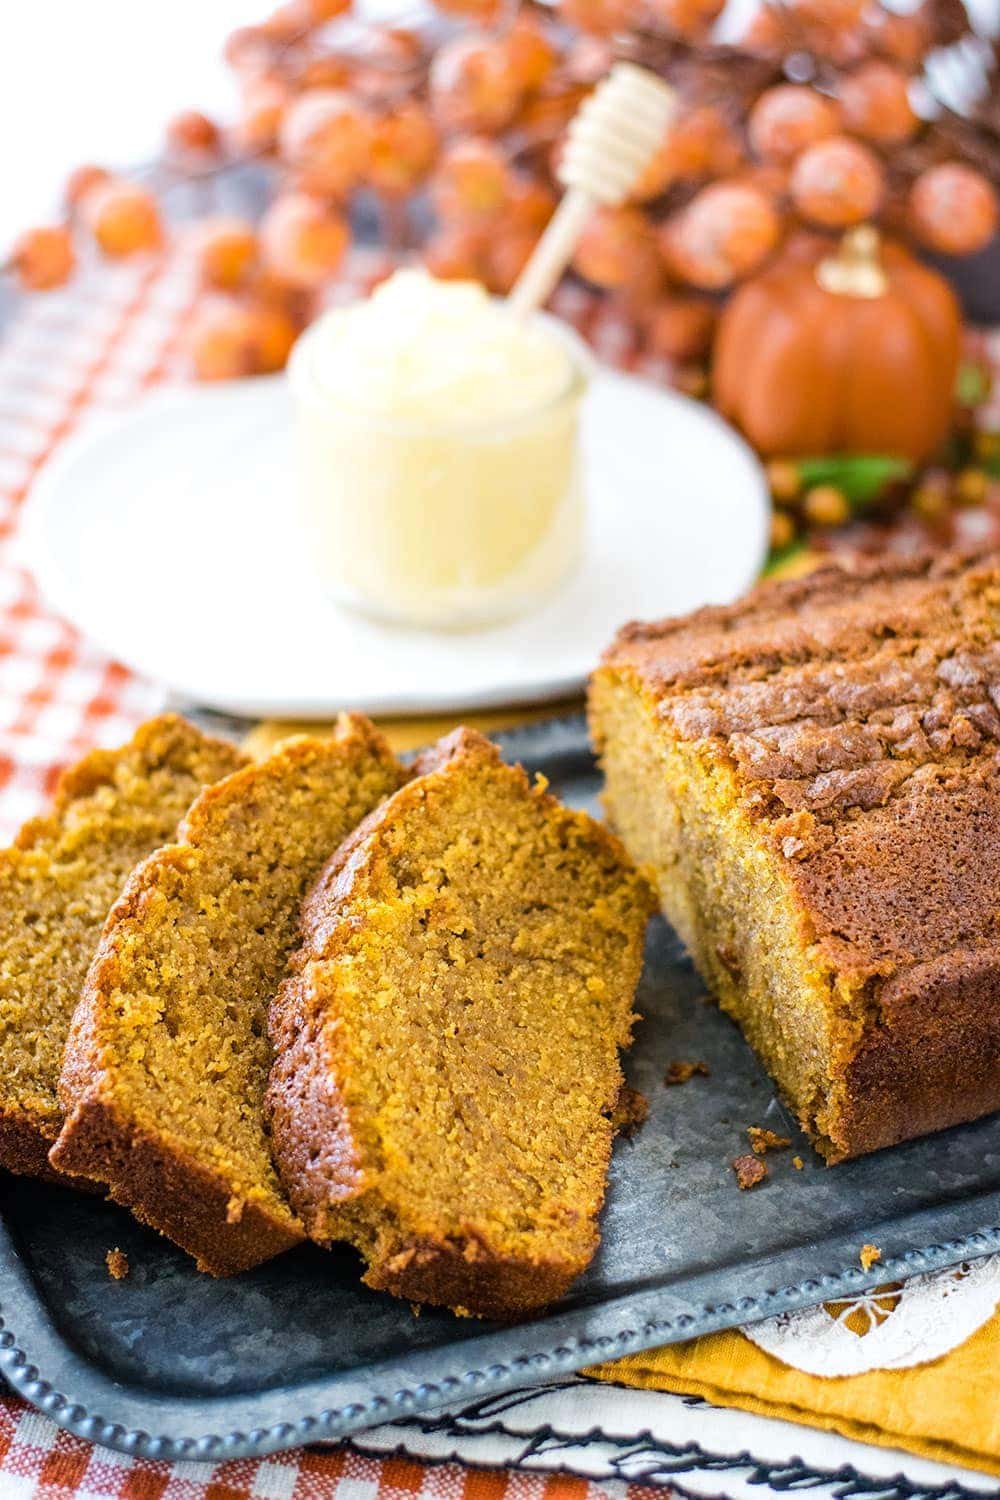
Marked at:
<point>750,1171</point>
<point>763,1140</point>
<point>683,1072</point>
<point>117,1263</point>
<point>630,1112</point>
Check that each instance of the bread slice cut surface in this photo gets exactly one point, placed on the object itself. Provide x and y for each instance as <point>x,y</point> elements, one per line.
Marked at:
<point>447,1041</point>
<point>166,1063</point>
<point>58,881</point>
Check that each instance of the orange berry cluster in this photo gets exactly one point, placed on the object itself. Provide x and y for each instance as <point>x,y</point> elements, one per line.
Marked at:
<point>814,118</point>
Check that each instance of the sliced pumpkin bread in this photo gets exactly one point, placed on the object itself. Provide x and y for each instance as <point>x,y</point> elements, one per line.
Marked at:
<point>166,1064</point>
<point>446,1044</point>
<point>58,882</point>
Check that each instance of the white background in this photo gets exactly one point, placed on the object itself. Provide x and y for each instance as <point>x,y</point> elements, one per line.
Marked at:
<point>96,80</point>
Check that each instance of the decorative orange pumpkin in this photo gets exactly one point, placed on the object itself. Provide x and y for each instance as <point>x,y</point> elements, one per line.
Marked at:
<point>852,351</point>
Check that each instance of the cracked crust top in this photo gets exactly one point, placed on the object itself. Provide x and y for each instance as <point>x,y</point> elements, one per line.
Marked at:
<point>861,710</point>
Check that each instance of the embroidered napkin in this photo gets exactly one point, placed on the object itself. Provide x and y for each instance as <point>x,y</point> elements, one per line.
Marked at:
<point>948,1410</point>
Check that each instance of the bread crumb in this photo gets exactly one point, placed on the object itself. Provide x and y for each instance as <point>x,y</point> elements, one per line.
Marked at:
<point>868,1255</point>
<point>630,1111</point>
<point>680,1072</point>
<point>798,1163</point>
<point>117,1263</point>
<point>763,1140</point>
<point>750,1171</point>
<point>729,959</point>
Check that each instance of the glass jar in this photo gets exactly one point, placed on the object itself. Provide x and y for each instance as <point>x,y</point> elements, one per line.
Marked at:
<point>440,519</point>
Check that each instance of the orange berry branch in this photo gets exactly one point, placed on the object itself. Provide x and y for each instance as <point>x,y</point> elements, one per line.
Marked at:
<point>820,116</point>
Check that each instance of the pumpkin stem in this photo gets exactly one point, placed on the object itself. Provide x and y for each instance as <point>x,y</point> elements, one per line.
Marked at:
<point>856,269</point>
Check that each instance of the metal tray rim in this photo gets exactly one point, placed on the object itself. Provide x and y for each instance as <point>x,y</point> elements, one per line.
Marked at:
<point>328,1424</point>
<point>30,1343</point>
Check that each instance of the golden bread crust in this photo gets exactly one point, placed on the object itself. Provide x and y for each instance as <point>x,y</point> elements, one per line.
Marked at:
<point>154,1176</point>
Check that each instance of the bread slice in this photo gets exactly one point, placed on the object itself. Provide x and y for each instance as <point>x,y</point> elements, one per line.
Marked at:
<point>447,1042</point>
<point>167,1060</point>
<point>812,775</point>
<point>58,882</point>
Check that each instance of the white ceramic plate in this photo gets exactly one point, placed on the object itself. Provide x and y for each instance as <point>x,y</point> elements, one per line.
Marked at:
<point>169,537</point>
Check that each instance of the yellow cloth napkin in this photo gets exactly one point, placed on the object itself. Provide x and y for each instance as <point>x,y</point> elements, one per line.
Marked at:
<point>948,1410</point>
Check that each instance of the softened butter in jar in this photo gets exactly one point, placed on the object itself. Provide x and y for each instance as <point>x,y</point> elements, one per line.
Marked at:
<point>438,453</point>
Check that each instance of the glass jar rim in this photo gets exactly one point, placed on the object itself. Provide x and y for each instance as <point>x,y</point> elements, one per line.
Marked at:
<point>581,366</point>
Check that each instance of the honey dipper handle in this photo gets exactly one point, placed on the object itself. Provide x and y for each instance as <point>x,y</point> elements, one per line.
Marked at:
<point>552,254</point>
<point>613,137</point>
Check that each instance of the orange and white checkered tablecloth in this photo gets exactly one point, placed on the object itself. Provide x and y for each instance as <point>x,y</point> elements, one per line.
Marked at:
<point>40,1461</point>
<point>64,358</point>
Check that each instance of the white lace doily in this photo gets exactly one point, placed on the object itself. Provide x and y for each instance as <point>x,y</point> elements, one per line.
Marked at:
<point>886,1328</point>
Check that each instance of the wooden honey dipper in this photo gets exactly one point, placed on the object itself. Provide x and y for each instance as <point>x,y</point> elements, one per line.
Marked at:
<point>612,138</point>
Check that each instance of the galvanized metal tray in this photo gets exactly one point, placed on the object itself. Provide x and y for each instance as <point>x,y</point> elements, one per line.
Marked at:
<point>172,1364</point>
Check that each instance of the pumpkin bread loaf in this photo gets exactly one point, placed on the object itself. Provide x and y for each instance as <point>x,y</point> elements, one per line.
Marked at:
<point>58,882</point>
<point>814,776</point>
<point>166,1063</point>
<point>446,1045</point>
